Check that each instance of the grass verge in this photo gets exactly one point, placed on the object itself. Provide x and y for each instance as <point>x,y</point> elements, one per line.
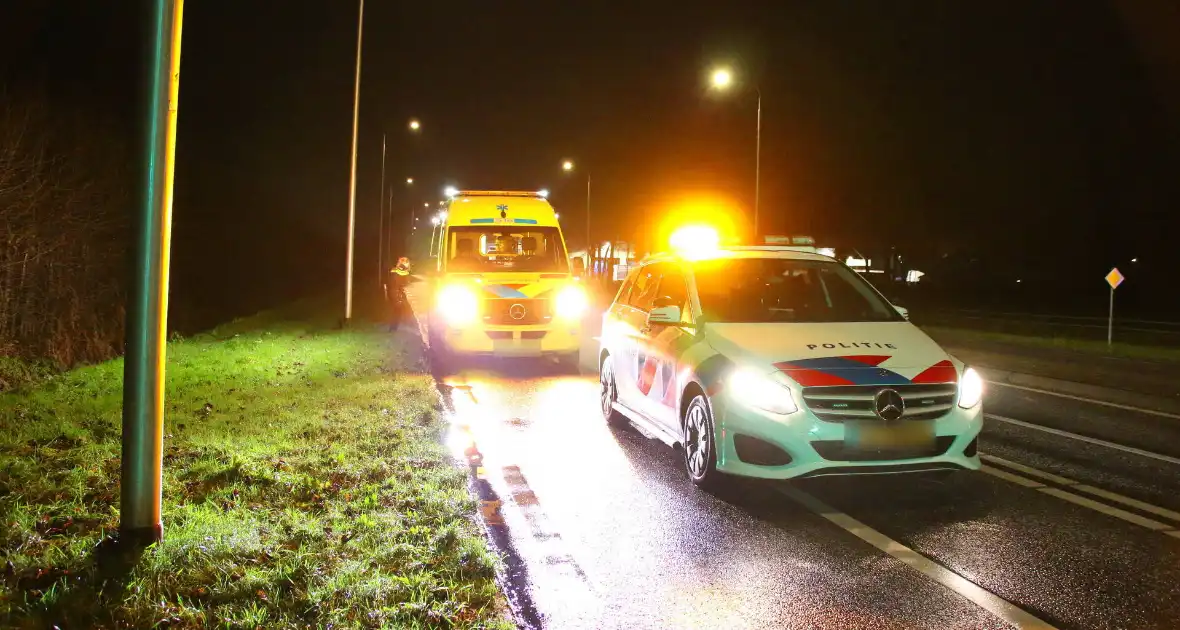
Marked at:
<point>304,485</point>
<point>1129,351</point>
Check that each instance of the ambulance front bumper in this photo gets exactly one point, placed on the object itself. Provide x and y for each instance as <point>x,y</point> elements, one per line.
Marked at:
<point>514,341</point>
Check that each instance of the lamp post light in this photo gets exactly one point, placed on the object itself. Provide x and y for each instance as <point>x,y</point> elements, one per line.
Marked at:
<point>568,167</point>
<point>721,80</point>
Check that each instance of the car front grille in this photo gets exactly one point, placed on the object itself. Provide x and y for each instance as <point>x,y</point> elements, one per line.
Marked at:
<point>837,451</point>
<point>499,312</point>
<point>841,403</point>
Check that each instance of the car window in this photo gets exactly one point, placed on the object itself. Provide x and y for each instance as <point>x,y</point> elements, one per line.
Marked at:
<point>644,290</point>
<point>674,289</point>
<point>625,290</point>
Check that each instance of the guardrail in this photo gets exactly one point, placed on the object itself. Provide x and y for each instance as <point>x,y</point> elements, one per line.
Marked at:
<point>1133,331</point>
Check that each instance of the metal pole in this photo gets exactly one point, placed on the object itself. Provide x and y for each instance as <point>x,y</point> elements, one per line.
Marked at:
<point>588,215</point>
<point>757,168</point>
<point>147,305</point>
<point>389,225</point>
<point>381,221</point>
<point>356,106</point>
<point>1110,321</point>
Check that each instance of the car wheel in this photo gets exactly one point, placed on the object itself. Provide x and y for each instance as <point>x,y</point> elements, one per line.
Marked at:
<point>700,444</point>
<point>609,394</point>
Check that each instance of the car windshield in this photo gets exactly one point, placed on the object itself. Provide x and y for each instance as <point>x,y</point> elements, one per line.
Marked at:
<point>770,290</point>
<point>504,248</point>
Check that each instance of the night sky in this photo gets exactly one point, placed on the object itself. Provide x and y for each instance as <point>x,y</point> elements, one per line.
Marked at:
<point>1038,138</point>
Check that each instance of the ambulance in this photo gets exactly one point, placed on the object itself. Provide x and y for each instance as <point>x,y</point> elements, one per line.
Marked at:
<point>503,284</point>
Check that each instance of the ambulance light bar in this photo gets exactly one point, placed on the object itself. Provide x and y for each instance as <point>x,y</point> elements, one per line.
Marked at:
<point>499,193</point>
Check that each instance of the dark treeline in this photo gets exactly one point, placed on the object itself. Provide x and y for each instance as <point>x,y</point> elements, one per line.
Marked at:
<point>65,186</point>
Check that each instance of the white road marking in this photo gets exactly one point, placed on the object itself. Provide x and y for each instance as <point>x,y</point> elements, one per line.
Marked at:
<point>1135,503</point>
<point>1070,484</point>
<point>1028,470</point>
<point>1009,477</point>
<point>1088,489</point>
<point>1141,521</point>
<point>987,600</point>
<point>1083,438</point>
<point>1150,412</point>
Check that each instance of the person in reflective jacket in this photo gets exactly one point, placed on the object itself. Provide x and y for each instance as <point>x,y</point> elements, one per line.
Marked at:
<point>395,294</point>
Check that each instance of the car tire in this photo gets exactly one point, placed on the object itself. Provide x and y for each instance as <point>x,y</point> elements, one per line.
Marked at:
<point>609,394</point>
<point>700,445</point>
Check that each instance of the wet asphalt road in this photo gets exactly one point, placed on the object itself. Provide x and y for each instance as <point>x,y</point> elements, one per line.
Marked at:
<point>603,529</point>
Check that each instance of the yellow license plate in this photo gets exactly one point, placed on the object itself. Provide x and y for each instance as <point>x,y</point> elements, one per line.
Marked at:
<point>891,435</point>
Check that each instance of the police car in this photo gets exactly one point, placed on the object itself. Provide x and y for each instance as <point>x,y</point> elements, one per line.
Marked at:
<point>774,363</point>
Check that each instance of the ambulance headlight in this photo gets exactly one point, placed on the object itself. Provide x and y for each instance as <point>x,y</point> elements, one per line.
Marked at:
<point>571,302</point>
<point>970,388</point>
<point>756,390</point>
<point>458,305</point>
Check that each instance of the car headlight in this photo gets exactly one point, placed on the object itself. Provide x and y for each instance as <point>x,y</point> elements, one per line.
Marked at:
<point>756,390</point>
<point>970,388</point>
<point>458,305</point>
<point>571,302</point>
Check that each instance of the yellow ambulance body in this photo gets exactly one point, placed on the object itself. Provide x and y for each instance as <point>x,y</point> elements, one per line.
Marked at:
<point>503,284</point>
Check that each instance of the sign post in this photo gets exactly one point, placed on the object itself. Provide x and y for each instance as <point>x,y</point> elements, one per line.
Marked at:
<point>1114,279</point>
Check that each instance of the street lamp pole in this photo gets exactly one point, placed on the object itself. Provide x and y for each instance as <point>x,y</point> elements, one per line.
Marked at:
<point>722,79</point>
<point>141,472</point>
<point>356,108</point>
<point>381,221</point>
<point>757,165</point>
<point>588,213</point>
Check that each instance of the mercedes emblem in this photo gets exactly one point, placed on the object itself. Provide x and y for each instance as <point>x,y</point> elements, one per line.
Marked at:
<point>517,311</point>
<point>889,405</point>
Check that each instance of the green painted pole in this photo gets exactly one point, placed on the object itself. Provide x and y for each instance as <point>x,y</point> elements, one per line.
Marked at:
<point>147,302</point>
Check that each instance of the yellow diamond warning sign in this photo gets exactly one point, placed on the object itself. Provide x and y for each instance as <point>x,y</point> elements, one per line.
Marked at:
<point>1114,278</point>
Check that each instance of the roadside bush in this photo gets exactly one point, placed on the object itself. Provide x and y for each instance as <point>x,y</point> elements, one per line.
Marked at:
<point>64,191</point>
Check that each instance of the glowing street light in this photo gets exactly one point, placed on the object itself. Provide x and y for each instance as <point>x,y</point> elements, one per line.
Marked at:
<point>434,220</point>
<point>568,167</point>
<point>409,180</point>
<point>415,125</point>
<point>426,205</point>
<point>721,80</point>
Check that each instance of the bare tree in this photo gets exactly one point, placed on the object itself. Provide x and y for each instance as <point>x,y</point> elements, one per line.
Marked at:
<point>63,200</point>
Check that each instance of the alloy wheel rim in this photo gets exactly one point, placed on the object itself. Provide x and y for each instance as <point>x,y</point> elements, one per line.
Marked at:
<point>696,442</point>
<point>608,389</point>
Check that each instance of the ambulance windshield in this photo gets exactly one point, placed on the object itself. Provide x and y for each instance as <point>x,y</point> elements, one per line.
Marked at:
<point>474,249</point>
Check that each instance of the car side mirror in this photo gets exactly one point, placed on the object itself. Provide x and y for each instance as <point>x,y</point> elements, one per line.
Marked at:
<point>903,311</point>
<point>578,266</point>
<point>664,316</point>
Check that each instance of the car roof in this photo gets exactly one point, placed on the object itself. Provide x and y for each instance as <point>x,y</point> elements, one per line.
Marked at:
<point>736,252</point>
